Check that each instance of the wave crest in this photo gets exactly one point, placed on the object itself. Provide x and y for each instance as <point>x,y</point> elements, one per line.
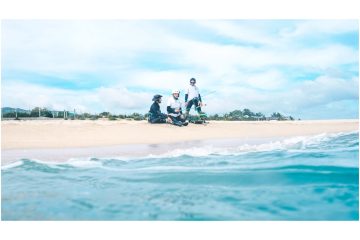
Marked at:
<point>302,144</point>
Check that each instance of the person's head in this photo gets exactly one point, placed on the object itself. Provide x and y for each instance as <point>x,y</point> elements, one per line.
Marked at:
<point>192,81</point>
<point>176,94</point>
<point>157,98</point>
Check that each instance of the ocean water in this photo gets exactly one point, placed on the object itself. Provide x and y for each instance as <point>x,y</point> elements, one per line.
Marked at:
<point>300,178</point>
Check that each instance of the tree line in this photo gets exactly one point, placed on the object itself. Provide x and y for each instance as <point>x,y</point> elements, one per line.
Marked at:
<point>236,115</point>
<point>248,115</point>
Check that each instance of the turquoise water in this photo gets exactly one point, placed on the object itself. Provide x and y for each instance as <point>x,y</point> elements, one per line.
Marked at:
<point>303,178</point>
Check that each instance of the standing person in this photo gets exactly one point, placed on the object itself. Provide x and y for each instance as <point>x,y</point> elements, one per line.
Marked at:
<point>192,97</point>
<point>155,115</point>
<point>174,109</point>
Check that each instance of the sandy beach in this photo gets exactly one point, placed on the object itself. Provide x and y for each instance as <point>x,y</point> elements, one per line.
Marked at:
<point>51,137</point>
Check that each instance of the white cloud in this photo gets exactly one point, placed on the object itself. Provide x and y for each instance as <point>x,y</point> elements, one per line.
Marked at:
<point>316,94</point>
<point>64,47</point>
<point>244,33</point>
<point>115,100</point>
<point>28,96</point>
<point>164,80</point>
<point>320,27</point>
<point>220,59</point>
<point>75,46</point>
<point>269,80</point>
<point>242,75</point>
<point>324,90</point>
<point>120,99</point>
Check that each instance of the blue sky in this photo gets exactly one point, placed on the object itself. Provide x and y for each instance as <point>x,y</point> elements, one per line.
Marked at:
<point>307,69</point>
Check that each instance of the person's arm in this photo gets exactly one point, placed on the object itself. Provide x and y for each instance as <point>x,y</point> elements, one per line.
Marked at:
<point>187,95</point>
<point>152,109</point>
<point>170,110</point>
<point>158,111</point>
<point>200,101</point>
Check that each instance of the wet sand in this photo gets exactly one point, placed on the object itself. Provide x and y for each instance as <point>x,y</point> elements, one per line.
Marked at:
<point>60,140</point>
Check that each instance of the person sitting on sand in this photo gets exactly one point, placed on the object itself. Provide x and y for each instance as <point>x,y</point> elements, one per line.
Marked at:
<point>155,115</point>
<point>174,109</point>
<point>194,98</point>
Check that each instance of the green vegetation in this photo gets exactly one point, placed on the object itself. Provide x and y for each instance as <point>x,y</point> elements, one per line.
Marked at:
<point>236,115</point>
<point>248,115</point>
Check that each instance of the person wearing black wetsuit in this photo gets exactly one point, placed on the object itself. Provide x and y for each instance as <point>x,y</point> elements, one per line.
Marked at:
<point>155,115</point>
<point>192,97</point>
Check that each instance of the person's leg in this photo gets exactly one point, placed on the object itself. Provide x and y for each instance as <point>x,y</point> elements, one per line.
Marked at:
<point>189,105</point>
<point>158,119</point>
<point>161,120</point>
<point>175,121</point>
<point>197,106</point>
<point>182,120</point>
<point>166,118</point>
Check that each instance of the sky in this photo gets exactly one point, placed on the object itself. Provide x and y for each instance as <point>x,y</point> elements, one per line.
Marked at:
<point>308,69</point>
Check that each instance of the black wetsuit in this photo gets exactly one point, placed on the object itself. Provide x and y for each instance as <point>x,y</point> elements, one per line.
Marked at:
<point>196,101</point>
<point>176,120</point>
<point>155,115</point>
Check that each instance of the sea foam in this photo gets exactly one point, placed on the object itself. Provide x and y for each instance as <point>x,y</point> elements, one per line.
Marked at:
<point>291,144</point>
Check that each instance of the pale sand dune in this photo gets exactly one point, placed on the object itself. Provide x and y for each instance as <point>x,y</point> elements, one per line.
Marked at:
<point>64,134</point>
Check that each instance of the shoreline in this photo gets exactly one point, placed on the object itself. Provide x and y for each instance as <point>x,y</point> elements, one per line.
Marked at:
<point>124,151</point>
<point>140,151</point>
<point>60,141</point>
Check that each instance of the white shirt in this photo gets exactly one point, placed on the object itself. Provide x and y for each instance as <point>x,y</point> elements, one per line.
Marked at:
<point>193,92</point>
<point>174,103</point>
